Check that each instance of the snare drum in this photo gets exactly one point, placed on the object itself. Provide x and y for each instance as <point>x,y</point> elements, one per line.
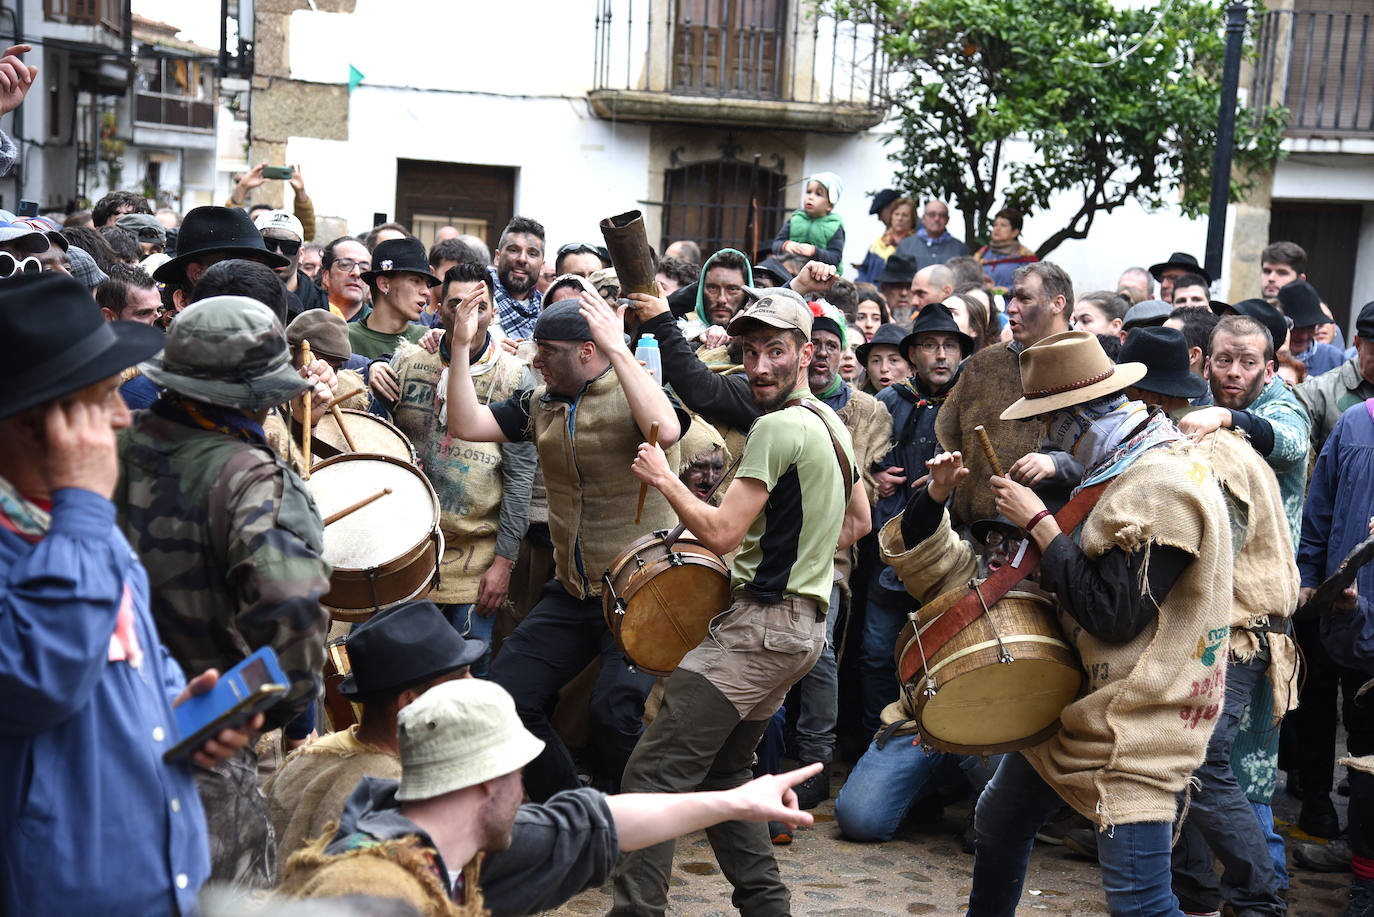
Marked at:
<point>999,684</point>
<point>386,552</point>
<point>658,601</point>
<point>372,435</point>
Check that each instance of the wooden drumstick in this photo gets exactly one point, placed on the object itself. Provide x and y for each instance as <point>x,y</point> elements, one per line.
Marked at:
<point>305,427</point>
<point>343,428</point>
<point>987,451</point>
<point>344,397</point>
<point>335,517</point>
<point>643,486</point>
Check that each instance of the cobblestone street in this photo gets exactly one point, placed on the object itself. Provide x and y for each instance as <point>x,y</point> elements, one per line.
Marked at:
<point>924,871</point>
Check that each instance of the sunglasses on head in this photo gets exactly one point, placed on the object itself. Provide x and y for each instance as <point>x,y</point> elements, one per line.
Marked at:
<point>580,248</point>
<point>287,247</point>
<point>10,265</point>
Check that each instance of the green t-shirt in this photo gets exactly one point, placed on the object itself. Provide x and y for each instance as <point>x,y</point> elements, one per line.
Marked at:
<point>790,547</point>
<point>374,345</point>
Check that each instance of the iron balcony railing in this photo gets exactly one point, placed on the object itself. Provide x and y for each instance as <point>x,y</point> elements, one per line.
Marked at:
<point>760,50</point>
<point>1320,65</point>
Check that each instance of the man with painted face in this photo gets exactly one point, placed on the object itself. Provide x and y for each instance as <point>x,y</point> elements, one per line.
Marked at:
<point>720,293</point>
<point>1144,590</point>
<point>935,348</point>
<point>595,406</point>
<point>1040,305</point>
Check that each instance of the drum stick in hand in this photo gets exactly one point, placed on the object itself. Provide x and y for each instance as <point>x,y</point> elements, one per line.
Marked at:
<point>643,487</point>
<point>343,427</point>
<point>305,427</point>
<point>987,451</point>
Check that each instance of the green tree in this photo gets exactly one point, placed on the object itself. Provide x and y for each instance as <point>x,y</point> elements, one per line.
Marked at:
<point>1116,104</point>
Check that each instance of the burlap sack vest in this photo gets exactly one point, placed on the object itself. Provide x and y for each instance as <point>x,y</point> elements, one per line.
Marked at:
<point>586,447</point>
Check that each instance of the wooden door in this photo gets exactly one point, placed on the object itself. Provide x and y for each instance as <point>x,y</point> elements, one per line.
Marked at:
<point>477,199</point>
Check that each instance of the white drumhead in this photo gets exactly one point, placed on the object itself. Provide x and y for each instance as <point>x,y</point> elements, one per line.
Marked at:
<point>386,528</point>
<point>370,434</point>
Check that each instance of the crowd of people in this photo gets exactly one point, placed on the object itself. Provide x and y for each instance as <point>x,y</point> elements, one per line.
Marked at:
<point>877,463</point>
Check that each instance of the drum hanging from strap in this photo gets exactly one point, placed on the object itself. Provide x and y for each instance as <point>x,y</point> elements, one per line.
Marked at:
<point>386,550</point>
<point>999,684</point>
<point>658,599</point>
<point>372,435</point>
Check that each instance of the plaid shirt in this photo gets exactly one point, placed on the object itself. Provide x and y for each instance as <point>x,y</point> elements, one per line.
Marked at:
<point>515,317</point>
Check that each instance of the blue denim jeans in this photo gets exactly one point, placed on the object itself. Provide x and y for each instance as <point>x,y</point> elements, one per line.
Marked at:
<point>888,781</point>
<point>472,626</point>
<point>1221,822</point>
<point>884,616</point>
<point>818,692</point>
<point>1015,804</point>
<point>1264,814</point>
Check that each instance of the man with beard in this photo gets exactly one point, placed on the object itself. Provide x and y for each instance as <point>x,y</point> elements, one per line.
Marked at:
<point>794,500</point>
<point>935,348</point>
<point>519,259</point>
<point>451,837</point>
<point>483,488</point>
<point>721,292</point>
<point>595,406</point>
<point>1040,304</point>
<point>283,233</point>
<point>870,429</point>
<point>399,283</point>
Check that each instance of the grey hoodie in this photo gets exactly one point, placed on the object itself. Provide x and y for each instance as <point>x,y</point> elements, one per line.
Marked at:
<point>557,849</point>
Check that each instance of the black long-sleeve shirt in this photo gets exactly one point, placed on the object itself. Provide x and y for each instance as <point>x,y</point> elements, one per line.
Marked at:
<point>716,397</point>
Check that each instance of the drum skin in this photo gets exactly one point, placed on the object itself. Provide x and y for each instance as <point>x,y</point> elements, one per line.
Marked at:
<point>386,552</point>
<point>372,435</point>
<point>669,599</point>
<point>983,706</point>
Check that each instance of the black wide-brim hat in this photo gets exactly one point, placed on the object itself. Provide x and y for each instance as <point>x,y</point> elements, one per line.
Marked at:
<point>224,230</point>
<point>934,317</point>
<point>1302,304</point>
<point>1267,316</point>
<point>886,334</point>
<point>404,646</point>
<point>54,340</point>
<point>1164,351</point>
<point>899,268</point>
<point>401,255</point>
<point>1183,260</point>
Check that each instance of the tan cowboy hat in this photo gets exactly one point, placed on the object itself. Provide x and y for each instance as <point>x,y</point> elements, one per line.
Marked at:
<point>1066,369</point>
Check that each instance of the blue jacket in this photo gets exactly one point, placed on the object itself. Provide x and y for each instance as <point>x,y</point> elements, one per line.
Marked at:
<point>1321,358</point>
<point>93,821</point>
<point>913,411</point>
<point>1335,520</point>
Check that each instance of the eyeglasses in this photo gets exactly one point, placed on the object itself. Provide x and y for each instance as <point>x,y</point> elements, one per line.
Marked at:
<point>826,346</point>
<point>934,347</point>
<point>348,264</point>
<point>10,265</point>
<point>287,247</point>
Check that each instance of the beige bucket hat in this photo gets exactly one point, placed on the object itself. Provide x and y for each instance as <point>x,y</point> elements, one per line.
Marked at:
<point>1066,369</point>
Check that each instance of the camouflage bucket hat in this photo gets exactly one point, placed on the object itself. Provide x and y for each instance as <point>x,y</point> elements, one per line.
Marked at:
<point>230,351</point>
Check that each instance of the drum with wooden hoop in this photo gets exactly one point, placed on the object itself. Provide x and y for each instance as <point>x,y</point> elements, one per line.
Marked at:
<point>372,435</point>
<point>999,684</point>
<point>658,599</point>
<point>342,712</point>
<point>381,533</point>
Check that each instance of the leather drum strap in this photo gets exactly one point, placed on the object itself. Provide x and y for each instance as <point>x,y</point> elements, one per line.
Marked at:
<point>965,611</point>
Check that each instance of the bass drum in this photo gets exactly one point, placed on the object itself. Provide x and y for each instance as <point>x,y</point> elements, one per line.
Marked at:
<point>372,435</point>
<point>386,552</point>
<point>987,703</point>
<point>658,601</point>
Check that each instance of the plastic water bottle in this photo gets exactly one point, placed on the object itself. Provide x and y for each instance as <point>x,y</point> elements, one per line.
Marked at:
<point>647,353</point>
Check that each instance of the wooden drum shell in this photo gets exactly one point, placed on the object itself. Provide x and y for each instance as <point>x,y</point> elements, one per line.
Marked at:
<point>659,603</point>
<point>983,706</point>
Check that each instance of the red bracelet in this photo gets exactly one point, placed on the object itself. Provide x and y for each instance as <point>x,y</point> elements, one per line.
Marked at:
<point>1035,520</point>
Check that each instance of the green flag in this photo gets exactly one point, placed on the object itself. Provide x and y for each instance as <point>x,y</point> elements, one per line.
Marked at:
<point>355,76</point>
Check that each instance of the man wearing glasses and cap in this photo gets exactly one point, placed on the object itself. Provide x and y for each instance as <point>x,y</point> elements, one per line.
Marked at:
<point>283,233</point>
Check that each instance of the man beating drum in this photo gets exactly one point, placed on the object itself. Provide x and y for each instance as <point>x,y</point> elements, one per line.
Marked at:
<point>791,502</point>
<point>1144,592</point>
